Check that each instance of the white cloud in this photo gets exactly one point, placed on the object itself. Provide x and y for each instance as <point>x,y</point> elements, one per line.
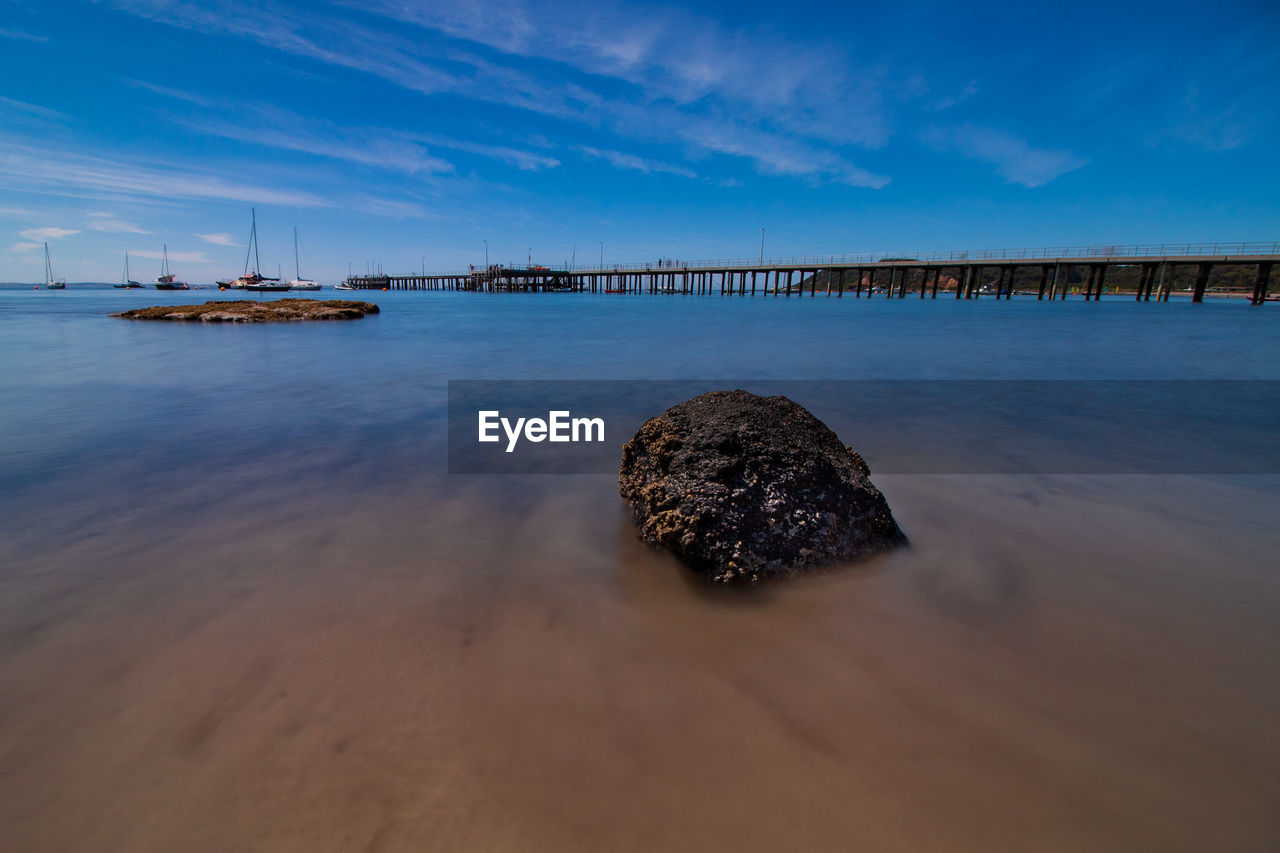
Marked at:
<point>774,154</point>
<point>949,101</point>
<point>1014,159</point>
<point>46,169</point>
<point>622,160</point>
<point>384,148</point>
<point>395,209</point>
<point>678,68</point>
<point>178,257</point>
<point>32,109</point>
<point>177,94</point>
<point>527,161</point>
<point>110,225</point>
<point>364,146</point>
<point>50,233</point>
<point>1212,124</point>
<point>392,149</point>
<point>218,239</point>
<point>671,53</point>
<point>25,247</point>
<point>18,34</point>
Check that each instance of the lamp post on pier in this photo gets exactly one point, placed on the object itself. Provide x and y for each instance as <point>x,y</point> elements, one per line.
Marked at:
<point>601,254</point>
<point>761,245</point>
<point>486,254</point>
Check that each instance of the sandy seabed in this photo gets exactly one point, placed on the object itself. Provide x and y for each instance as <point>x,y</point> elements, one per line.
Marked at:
<point>1055,664</point>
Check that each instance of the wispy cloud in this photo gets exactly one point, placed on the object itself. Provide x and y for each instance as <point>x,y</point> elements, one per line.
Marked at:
<point>1014,159</point>
<point>384,148</point>
<point>25,247</point>
<point>364,146</point>
<point>378,147</point>
<point>108,223</point>
<point>169,92</point>
<point>1211,123</point>
<point>622,160</point>
<point>946,102</point>
<point>218,239</point>
<point>528,161</point>
<point>672,54</point>
<point>49,170</point>
<point>179,257</point>
<point>49,233</point>
<point>32,109</point>
<point>18,34</point>
<point>675,68</point>
<point>775,154</point>
<point>390,207</point>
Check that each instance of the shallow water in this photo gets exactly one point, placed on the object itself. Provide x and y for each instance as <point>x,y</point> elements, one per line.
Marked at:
<point>243,605</point>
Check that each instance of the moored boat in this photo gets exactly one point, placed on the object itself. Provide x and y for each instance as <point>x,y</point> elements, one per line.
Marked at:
<point>255,280</point>
<point>267,285</point>
<point>168,280</point>
<point>51,283</point>
<point>127,282</point>
<point>300,283</point>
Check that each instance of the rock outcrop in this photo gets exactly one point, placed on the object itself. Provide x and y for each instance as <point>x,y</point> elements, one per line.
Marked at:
<point>743,487</point>
<point>250,311</point>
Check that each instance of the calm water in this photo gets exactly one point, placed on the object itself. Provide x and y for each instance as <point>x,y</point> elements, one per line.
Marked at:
<point>243,605</point>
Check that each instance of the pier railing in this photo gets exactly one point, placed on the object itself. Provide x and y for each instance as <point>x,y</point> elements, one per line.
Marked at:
<point>960,256</point>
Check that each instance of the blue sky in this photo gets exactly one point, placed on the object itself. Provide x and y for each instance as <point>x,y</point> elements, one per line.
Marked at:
<point>390,130</point>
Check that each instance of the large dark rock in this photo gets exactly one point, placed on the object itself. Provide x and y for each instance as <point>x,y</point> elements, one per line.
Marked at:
<point>742,487</point>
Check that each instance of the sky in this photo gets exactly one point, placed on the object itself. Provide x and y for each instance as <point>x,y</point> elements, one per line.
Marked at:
<point>408,133</point>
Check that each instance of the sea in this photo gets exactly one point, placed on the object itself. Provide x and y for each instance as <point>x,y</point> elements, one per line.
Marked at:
<point>247,603</point>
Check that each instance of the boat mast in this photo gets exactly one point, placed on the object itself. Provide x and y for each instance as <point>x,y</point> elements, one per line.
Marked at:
<point>48,265</point>
<point>296,273</point>
<point>253,244</point>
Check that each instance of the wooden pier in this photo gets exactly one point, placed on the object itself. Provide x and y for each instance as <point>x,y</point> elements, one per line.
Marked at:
<point>1048,273</point>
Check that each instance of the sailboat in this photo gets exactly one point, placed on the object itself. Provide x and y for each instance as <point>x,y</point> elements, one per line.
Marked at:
<point>50,283</point>
<point>256,280</point>
<point>126,281</point>
<point>168,280</point>
<point>300,283</point>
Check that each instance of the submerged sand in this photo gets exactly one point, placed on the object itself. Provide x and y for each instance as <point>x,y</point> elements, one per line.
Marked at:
<point>1055,664</point>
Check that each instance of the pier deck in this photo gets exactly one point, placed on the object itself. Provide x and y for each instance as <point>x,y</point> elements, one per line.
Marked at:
<point>1055,273</point>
